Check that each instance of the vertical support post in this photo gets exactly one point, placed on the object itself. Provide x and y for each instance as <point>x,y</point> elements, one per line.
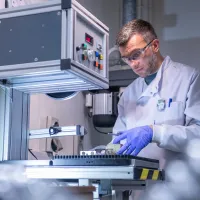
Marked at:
<point>84,182</point>
<point>117,195</point>
<point>14,122</point>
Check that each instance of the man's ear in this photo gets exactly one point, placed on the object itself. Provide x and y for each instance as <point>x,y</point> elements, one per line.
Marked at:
<point>156,45</point>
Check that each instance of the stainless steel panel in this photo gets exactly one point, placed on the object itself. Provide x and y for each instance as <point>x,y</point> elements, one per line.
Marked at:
<point>80,172</point>
<point>102,104</point>
<point>83,27</point>
<point>145,164</point>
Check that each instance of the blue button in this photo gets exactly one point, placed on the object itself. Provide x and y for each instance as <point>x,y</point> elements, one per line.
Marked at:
<point>96,54</point>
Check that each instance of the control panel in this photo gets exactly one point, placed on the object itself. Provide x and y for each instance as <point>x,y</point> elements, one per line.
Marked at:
<point>90,47</point>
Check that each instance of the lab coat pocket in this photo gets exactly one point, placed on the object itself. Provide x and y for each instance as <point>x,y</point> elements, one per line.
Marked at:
<point>174,115</point>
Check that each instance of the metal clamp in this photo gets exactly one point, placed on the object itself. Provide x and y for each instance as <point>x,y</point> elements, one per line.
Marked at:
<point>54,130</point>
<point>76,130</point>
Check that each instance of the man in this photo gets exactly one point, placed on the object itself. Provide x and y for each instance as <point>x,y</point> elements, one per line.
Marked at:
<point>160,111</point>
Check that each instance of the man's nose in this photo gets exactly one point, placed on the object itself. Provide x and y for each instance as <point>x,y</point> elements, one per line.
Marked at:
<point>134,64</point>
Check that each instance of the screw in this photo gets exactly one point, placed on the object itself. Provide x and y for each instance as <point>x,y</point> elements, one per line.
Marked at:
<point>36,59</point>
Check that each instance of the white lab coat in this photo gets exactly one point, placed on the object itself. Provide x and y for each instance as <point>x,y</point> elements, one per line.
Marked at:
<point>175,125</point>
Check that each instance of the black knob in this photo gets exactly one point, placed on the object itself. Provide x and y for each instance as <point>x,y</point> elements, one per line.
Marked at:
<point>78,48</point>
<point>54,130</point>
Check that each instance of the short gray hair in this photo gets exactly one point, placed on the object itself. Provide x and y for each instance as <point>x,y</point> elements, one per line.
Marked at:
<point>136,26</point>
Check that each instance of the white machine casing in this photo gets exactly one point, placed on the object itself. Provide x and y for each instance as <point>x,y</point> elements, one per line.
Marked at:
<point>55,46</point>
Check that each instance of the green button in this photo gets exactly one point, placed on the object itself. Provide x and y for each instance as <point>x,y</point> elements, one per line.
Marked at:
<point>84,46</point>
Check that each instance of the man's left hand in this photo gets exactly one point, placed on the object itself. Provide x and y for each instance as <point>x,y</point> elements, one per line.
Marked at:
<point>136,139</point>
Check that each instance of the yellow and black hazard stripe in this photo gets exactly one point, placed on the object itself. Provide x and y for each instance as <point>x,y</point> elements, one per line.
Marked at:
<point>148,174</point>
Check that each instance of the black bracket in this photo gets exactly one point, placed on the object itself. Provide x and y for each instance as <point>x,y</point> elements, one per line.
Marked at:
<point>66,4</point>
<point>65,64</point>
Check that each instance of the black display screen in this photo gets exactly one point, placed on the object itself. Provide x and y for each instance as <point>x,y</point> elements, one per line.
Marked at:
<point>89,39</point>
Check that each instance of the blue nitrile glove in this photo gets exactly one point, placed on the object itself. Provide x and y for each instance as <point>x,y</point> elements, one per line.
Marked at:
<point>136,139</point>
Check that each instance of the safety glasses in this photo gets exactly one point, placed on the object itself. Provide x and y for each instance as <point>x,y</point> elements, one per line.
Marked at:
<point>136,54</point>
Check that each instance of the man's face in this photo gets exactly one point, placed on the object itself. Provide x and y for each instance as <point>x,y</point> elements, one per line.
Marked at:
<point>144,64</point>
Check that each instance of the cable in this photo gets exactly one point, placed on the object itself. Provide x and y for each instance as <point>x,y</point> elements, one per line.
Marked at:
<point>105,133</point>
<point>89,115</point>
<point>32,154</point>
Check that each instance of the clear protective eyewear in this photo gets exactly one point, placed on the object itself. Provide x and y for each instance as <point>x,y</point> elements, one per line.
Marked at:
<point>136,55</point>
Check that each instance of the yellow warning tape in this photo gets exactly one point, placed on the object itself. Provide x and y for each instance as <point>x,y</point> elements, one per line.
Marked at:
<point>144,174</point>
<point>155,175</point>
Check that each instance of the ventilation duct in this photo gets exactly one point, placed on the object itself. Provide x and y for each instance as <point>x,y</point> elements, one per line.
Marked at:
<point>129,10</point>
<point>120,73</point>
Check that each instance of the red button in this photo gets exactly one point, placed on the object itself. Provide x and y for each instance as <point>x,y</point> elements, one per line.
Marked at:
<point>96,64</point>
<point>100,66</point>
<point>84,57</point>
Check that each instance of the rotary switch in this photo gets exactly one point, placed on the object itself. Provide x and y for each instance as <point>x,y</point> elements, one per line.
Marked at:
<point>91,55</point>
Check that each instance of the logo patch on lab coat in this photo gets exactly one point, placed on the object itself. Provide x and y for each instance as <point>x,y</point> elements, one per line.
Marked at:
<point>161,104</point>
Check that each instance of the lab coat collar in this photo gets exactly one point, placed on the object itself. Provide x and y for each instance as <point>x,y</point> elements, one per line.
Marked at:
<point>155,86</point>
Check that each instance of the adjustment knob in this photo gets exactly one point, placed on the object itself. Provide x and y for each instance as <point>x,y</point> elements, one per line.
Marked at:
<point>84,46</point>
<point>91,55</point>
<point>78,48</point>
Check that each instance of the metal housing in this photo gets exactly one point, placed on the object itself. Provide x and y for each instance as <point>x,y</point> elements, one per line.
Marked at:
<point>41,54</point>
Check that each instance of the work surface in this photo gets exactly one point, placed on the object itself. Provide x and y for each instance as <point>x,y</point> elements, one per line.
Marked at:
<point>92,167</point>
